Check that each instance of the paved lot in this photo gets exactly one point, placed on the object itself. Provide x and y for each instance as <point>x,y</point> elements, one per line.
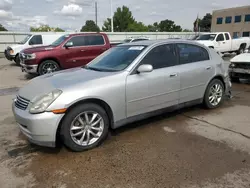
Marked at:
<point>189,148</point>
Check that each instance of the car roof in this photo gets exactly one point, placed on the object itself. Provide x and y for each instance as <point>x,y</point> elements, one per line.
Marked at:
<point>77,34</point>
<point>160,41</point>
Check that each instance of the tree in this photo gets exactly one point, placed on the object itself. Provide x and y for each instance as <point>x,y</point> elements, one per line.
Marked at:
<point>45,28</point>
<point>186,30</point>
<point>169,26</point>
<point>2,28</point>
<point>122,19</point>
<point>154,27</point>
<point>204,23</point>
<point>137,27</point>
<point>90,26</point>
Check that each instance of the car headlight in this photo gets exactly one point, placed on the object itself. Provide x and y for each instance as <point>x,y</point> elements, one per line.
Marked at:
<point>11,52</point>
<point>232,65</point>
<point>40,104</point>
<point>30,56</point>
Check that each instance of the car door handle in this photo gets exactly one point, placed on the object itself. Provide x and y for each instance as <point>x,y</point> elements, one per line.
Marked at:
<point>208,68</point>
<point>173,75</point>
<point>83,50</point>
<point>224,42</point>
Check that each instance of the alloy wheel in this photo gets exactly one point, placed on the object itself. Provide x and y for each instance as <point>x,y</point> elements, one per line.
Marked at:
<point>215,94</point>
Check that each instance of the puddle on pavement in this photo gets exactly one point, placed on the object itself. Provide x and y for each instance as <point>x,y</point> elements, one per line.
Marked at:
<point>22,151</point>
<point>8,91</point>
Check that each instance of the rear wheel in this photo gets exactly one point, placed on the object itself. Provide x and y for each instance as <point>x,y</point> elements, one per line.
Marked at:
<point>17,60</point>
<point>48,66</point>
<point>214,94</point>
<point>241,50</point>
<point>86,126</point>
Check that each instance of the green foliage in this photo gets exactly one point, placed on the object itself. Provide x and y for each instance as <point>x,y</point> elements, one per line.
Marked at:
<point>90,26</point>
<point>2,28</point>
<point>122,19</point>
<point>169,26</point>
<point>204,23</point>
<point>45,28</point>
<point>186,30</point>
<point>137,27</point>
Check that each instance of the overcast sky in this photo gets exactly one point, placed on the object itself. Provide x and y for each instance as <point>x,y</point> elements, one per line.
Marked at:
<point>19,15</point>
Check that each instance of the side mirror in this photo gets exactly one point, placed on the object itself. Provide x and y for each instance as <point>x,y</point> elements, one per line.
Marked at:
<point>69,44</point>
<point>145,68</point>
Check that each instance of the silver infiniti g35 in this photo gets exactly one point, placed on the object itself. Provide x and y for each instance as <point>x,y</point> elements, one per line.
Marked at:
<point>127,83</point>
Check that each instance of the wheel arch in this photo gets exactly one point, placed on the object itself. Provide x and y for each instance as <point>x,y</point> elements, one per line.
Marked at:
<point>219,77</point>
<point>97,101</point>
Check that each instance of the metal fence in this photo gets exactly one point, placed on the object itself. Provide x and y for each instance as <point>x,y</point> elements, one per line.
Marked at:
<point>10,38</point>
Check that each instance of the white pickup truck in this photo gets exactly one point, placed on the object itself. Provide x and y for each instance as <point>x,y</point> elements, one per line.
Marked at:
<point>222,42</point>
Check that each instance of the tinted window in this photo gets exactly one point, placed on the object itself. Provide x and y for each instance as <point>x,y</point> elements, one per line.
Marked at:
<point>246,34</point>
<point>191,53</point>
<point>219,20</point>
<point>227,36</point>
<point>220,37</point>
<point>94,40</point>
<point>60,40</point>
<point>161,56</point>
<point>247,18</point>
<point>36,39</point>
<point>78,41</point>
<point>228,19</point>
<point>237,19</point>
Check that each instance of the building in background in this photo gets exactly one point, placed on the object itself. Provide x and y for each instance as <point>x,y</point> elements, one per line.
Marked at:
<point>234,20</point>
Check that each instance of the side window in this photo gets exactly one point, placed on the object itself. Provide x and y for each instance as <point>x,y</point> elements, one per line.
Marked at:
<point>220,37</point>
<point>94,40</point>
<point>227,36</point>
<point>161,57</point>
<point>36,39</point>
<point>78,41</point>
<point>189,53</point>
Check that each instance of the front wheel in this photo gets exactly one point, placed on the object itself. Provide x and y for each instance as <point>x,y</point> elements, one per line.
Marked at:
<point>214,94</point>
<point>17,60</point>
<point>84,127</point>
<point>48,66</point>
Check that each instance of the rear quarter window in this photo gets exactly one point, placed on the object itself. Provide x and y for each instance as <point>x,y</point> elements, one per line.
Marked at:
<point>95,40</point>
<point>189,53</point>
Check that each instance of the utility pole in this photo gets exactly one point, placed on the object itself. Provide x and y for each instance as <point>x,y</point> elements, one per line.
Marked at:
<point>111,14</point>
<point>96,12</point>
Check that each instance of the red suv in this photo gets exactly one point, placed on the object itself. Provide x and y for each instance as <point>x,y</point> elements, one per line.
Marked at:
<point>68,51</point>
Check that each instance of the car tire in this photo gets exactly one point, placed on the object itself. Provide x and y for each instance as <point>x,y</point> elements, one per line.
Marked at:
<point>48,66</point>
<point>17,60</point>
<point>72,126</point>
<point>235,79</point>
<point>214,94</point>
<point>241,50</point>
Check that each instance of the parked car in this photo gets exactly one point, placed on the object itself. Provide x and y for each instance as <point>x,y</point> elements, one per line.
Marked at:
<point>69,51</point>
<point>81,104</point>
<point>223,42</point>
<point>12,52</point>
<point>132,39</point>
<point>240,67</point>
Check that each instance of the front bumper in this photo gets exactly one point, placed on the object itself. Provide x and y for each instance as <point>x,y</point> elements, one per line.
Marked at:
<point>29,68</point>
<point>40,129</point>
<point>8,56</point>
<point>240,73</point>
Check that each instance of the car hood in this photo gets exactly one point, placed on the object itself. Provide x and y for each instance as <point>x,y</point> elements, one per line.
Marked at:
<point>37,49</point>
<point>205,42</point>
<point>62,80</point>
<point>244,58</point>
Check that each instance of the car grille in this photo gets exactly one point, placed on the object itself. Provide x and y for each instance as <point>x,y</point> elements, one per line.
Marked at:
<point>242,65</point>
<point>21,103</point>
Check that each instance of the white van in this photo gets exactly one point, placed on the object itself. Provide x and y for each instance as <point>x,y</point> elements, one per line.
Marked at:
<point>32,40</point>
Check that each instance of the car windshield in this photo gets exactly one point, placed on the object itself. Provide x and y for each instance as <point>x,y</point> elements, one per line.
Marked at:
<point>25,39</point>
<point>115,59</point>
<point>60,40</point>
<point>206,37</point>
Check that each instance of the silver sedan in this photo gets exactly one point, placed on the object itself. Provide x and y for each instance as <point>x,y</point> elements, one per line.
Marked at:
<point>127,83</point>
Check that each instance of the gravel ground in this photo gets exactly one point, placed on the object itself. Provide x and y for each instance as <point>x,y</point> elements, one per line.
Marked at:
<point>189,148</point>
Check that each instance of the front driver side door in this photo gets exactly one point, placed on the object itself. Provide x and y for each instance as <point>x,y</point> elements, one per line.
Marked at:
<point>220,44</point>
<point>146,92</point>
